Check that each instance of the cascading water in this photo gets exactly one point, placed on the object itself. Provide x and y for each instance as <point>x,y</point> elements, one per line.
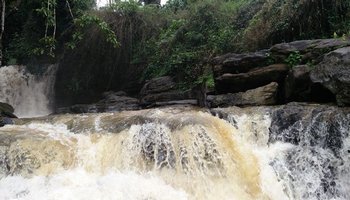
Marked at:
<point>179,153</point>
<point>29,94</point>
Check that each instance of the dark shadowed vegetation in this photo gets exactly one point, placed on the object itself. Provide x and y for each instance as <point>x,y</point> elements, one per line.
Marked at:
<point>126,43</point>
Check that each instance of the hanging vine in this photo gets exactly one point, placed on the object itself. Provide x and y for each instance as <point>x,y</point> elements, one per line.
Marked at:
<point>80,19</point>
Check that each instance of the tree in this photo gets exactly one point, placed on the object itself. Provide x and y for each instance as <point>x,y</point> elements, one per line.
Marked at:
<point>38,28</point>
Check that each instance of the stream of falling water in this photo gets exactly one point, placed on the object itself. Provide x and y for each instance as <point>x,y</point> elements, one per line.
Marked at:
<point>170,153</point>
<point>27,93</point>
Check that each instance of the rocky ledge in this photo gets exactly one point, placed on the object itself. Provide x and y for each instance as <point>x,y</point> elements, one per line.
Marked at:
<point>305,71</point>
<point>6,113</point>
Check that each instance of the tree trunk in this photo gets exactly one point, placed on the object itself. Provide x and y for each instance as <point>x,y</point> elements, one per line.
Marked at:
<point>3,9</point>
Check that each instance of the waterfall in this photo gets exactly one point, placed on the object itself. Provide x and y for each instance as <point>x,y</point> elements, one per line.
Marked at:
<point>179,153</point>
<point>29,94</point>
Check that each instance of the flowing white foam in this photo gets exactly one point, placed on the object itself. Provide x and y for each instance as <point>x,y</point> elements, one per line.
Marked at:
<point>153,154</point>
<point>78,184</point>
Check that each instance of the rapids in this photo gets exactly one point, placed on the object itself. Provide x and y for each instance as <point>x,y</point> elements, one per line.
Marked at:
<point>179,153</point>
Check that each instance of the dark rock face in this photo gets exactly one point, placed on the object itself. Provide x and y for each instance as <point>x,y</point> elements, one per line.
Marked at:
<point>6,110</point>
<point>112,101</point>
<point>235,73</point>
<point>319,134</point>
<point>265,95</point>
<point>252,79</point>
<point>300,88</point>
<point>6,113</point>
<point>314,125</point>
<point>5,121</point>
<point>310,49</point>
<point>158,85</point>
<point>298,82</point>
<point>162,97</point>
<point>334,73</point>
<point>163,91</point>
<point>4,107</point>
<point>239,63</point>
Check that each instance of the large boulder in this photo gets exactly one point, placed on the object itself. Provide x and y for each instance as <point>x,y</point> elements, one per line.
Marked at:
<point>265,95</point>
<point>6,113</point>
<point>6,110</point>
<point>239,63</point>
<point>334,73</point>
<point>163,91</point>
<point>163,96</point>
<point>231,83</point>
<point>158,85</point>
<point>298,82</point>
<point>111,102</point>
<point>299,87</point>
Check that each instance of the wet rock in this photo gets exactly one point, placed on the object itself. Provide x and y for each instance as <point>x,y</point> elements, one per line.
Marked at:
<point>179,102</point>
<point>265,95</point>
<point>5,121</point>
<point>117,101</point>
<point>163,91</point>
<point>229,83</point>
<point>334,74</point>
<point>4,107</point>
<point>163,97</point>
<point>6,113</point>
<point>316,125</point>
<point>112,101</point>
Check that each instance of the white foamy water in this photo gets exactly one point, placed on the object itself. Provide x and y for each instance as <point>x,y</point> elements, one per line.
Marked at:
<point>170,154</point>
<point>29,94</point>
<point>77,184</point>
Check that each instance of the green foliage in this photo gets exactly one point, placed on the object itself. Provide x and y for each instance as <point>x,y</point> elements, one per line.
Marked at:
<point>206,78</point>
<point>198,31</point>
<point>176,39</point>
<point>294,59</point>
<point>270,60</point>
<point>278,21</point>
<point>39,28</point>
<point>87,20</point>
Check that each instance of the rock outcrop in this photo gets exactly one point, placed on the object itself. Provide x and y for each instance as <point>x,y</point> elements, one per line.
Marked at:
<point>163,91</point>
<point>265,95</point>
<point>300,88</point>
<point>311,50</point>
<point>239,63</point>
<point>298,82</point>
<point>111,102</point>
<point>303,70</point>
<point>6,113</point>
<point>334,73</point>
<point>255,78</point>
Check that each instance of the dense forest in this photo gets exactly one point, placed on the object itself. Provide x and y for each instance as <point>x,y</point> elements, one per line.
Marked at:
<point>126,42</point>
